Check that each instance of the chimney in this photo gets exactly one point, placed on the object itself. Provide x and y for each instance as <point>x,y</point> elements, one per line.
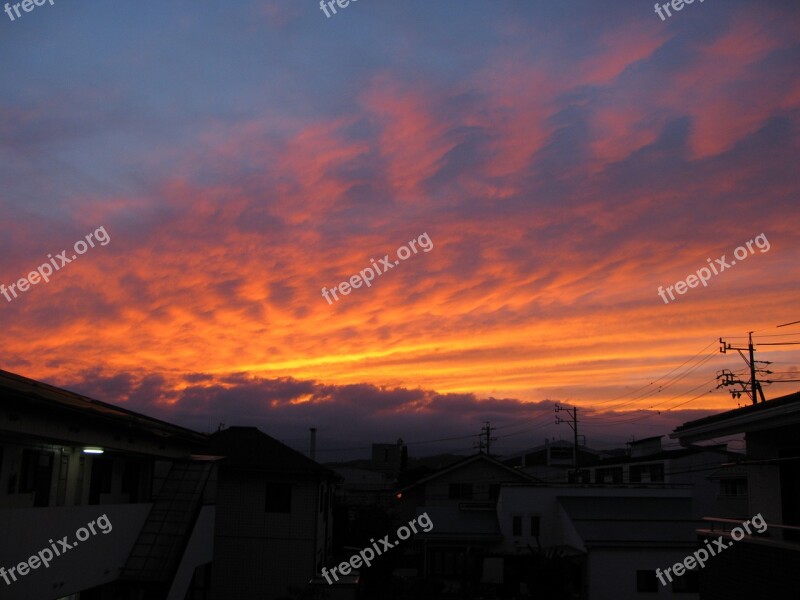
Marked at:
<point>313,451</point>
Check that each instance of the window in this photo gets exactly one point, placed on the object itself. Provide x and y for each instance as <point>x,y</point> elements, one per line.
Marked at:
<point>131,478</point>
<point>516,525</point>
<point>646,581</point>
<point>561,453</point>
<point>279,497</point>
<point>647,473</point>
<point>446,562</point>
<point>688,583</point>
<point>584,476</point>
<point>733,487</point>
<point>494,491</point>
<point>608,475</point>
<point>100,479</point>
<point>35,475</point>
<point>535,525</point>
<point>460,491</point>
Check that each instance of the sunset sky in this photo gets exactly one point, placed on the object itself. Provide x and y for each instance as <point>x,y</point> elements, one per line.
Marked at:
<point>564,158</point>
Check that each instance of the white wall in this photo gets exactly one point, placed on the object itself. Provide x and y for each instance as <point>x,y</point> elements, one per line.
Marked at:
<point>258,554</point>
<point>612,573</point>
<point>96,561</point>
<point>199,551</point>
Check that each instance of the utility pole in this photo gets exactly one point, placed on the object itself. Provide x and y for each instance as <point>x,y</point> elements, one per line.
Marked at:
<point>573,422</point>
<point>754,385</point>
<point>488,429</point>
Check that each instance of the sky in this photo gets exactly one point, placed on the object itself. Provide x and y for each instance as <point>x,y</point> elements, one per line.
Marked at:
<point>555,163</point>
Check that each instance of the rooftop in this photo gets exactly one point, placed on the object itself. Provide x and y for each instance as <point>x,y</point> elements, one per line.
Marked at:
<point>249,449</point>
<point>771,414</point>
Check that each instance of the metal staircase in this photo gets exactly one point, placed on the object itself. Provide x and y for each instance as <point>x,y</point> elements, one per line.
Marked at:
<point>156,555</point>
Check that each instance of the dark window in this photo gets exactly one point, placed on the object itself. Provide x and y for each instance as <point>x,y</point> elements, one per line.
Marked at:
<point>460,491</point>
<point>561,453</point>
<point>131,478</point>
<point>535,526</point>
<point>446,562</point>
<point>516,525</point>
<point>584,476</point>
<point>688,583</point>
<point>35,475</point>
<point>494,491</point>
<point>657,472</point>
<point>608,475</point>
<point>386,455</point>
<point>279,497</point>
<point>100,482</point>
<point>647,473</point>
<point>646,581</point>
<point>733,487</point>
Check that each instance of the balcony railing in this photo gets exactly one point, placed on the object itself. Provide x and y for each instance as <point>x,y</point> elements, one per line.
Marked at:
<point>775,535</point>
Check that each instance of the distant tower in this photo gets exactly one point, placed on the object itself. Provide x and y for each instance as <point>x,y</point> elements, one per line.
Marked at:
<point>390,458</point>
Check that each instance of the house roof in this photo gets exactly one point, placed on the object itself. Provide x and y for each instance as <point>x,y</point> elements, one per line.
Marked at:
<point>36,394</point>
<point>772,414</point>
<point>652,438</point>
<point>248,449</point>
<point>521,476</point>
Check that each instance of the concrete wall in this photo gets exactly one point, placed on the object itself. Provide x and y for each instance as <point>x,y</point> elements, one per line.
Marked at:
<point>260,555</point>
<point>93,562</point>
<point>764,481</point>
<point>556,528</point>
<point>199,551</point>
<point>612,573</point>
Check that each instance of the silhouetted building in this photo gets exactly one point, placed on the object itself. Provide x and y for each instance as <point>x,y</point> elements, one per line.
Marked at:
<point>553,461</point>
<point>159,511</point>
<point>65,461</point>
<point>608,539</point>
<point>758,565</point>
<point>461,501</point>
<point>647,463</point>
<point>390,459</point>
<point>274,516</point>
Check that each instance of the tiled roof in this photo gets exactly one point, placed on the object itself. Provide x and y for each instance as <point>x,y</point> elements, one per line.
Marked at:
<point>15,387</point>
<point>247,448</point>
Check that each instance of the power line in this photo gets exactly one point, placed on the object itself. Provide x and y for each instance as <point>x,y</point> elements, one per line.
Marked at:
<point>660,378</point>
